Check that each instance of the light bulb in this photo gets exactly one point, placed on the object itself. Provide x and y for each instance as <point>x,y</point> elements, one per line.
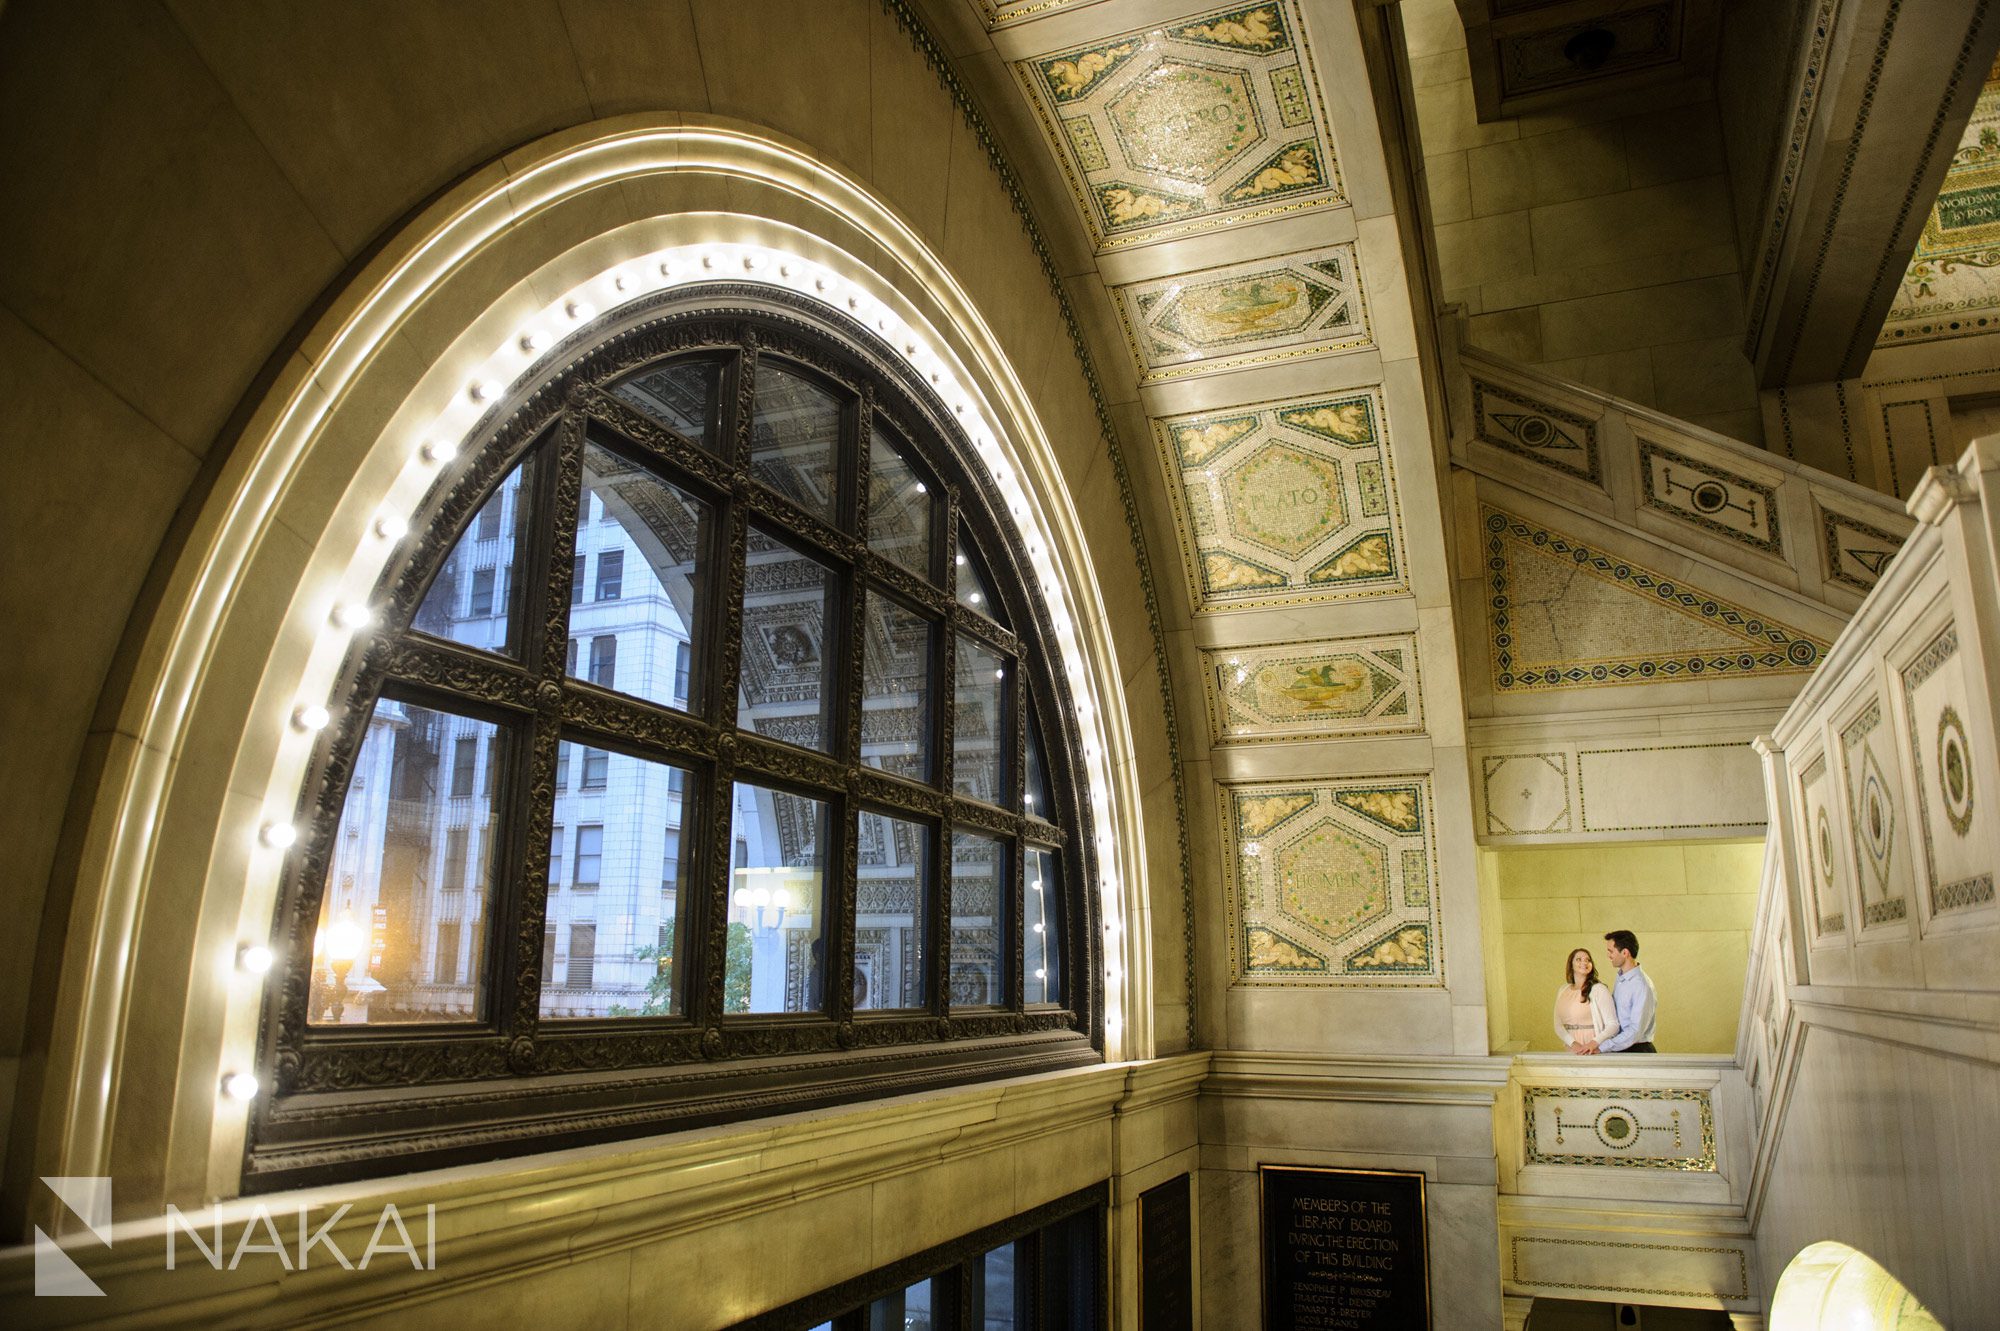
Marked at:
<point>532,341</point>
<point>254,958</point>
<point>352,615</point>
<point>240,1086</point>
<point>781,898</point>
<point>741,896</point>
<point>1041,974</point>
<point>760,896</point>
<point>975,598</point>
<point>708,260</point>
<point>391,527</point>
<point>668,269</point>
<point>578,309</point>
<point>439,450</point>
<point>485,390</point>
<point>310,717</point>
<point>278,836</point>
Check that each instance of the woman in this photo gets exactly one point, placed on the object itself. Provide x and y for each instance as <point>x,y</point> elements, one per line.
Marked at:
<point>1585,1014</point>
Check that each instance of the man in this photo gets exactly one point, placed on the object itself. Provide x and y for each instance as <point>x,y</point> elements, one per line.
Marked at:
<point>1632,996</point>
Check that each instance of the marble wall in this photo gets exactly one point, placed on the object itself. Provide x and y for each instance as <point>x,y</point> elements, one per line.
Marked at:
<point>1596,241</point>
<point>1690,903</point>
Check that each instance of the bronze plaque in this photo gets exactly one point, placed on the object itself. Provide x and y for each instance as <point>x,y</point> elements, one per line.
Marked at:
<point>1344,1249</point>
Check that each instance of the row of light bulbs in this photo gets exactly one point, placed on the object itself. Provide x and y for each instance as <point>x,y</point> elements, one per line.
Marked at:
<point>631,281</point>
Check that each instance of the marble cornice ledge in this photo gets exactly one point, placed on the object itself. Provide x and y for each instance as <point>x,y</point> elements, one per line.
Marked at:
<point>508,1218</point>
<point>1722,1220</point>
<point>1951,1023</point>
<point>1394,1079</point>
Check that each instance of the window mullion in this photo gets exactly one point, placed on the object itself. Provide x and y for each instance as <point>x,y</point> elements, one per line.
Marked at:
<point>709,901</point>
<point>518,979</point>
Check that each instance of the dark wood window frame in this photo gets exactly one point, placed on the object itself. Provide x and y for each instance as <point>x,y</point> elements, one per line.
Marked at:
<point>350,1101</point>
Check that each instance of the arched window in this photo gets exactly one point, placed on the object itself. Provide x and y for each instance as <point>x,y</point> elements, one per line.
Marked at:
<point>706,760</point>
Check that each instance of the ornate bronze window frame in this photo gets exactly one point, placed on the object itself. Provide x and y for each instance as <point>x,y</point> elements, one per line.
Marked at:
<point>350,1101</point>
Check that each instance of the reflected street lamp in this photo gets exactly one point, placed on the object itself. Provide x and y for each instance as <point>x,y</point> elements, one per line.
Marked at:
<point>340,943</point>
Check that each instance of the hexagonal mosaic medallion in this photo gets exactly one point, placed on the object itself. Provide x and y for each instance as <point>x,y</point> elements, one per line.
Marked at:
<point>1195,124</point>
<point>1330,883</point>
<point>1284,501</point>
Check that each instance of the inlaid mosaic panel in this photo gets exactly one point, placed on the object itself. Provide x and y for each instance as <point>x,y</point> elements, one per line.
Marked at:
<point>1958,853</point>
<point>1952,286</point>
<point>1619,1128</point>
<point>1200,123</point>
<point>1710,497</point>
<point>1331,883</point>
<point>1541,60</point>
<point>1524,793</point>
<point>1253,313</point>
<point>1284,501</point>
<point>1824,911</point>
<point>1517,424</point>
<point>1854,552</point>
<point>1874,795</point>
<point>1562,613</point>
<point>1361,686</point>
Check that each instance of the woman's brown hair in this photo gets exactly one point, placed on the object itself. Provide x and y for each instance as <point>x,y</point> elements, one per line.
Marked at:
<point>1569,973</point>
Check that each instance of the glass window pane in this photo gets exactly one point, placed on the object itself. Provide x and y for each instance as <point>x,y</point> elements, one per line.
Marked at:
<point>777,929</point>
<point>1070,1255</point>
<point>905,1310</point>
<point>899,508</point>
<point>647,554</point>
<point>979,915</point>
<point>997,1303</point>
<point>795,439</point>
<point>978,734</point>
<point>614,916</point>
<point>783,690</point>
<point>895,689</point>
<point>409,857</point>
<point>680,395</point>
<point>1037,792</point>
<point>970,585</point>
<point>471,600</point>
<point>1041,979</point>
<point>890,960</point>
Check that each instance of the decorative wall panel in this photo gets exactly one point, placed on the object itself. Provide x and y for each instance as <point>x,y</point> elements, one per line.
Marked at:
<point>1562,613</point>
<point>1874,817</point>
<point>1524,793</point>
<point>1854,552</point>
<point>1197,124</point>
<point>1361,686</point>
<point>1645,789</point>
<point>1825,915</point>
<point>1958,864</point>
<point>1710,497</point>
<point>1630,1128</point>
<point>1330,883</point>
<point>1605,1268</point>
<point>1253,313</point>
<point>1285,501</point>
<point>1518,424</point>
<point>1540,60</point>
<point>1952,286</point>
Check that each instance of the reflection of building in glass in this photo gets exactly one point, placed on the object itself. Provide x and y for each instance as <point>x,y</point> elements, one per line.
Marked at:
<point>404,925</point>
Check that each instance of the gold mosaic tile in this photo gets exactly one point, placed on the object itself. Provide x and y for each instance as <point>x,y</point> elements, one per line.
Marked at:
<point>1254,313</point>
<point>1359,686</point>
<point>1567,613</point>
<point>1284,502</point>
<point>1330,883</point>
<point>1196,124</point>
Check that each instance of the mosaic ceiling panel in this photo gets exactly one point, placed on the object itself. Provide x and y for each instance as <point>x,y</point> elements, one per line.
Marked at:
<point>1952,286</point>
<point>1203,122</point>
<point>1251,313</point>
<point>1333,883</point>
<point>1564,614</point>
<point>1287,501</point>
<point>1356,686</point>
